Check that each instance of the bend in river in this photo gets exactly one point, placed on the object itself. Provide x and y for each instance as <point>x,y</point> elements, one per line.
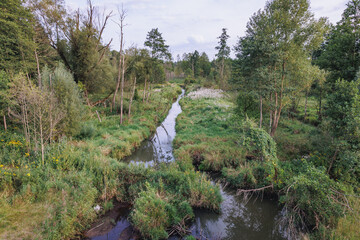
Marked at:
<point>238,219</point>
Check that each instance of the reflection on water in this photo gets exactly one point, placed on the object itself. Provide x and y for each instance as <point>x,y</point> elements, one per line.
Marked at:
<point>255,219</point>
<point>159,148</point>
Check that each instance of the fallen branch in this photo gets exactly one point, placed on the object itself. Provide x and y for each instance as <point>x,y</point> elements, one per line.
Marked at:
<point>100,101</point>
<point>240,191</point>
<point>247,192</point>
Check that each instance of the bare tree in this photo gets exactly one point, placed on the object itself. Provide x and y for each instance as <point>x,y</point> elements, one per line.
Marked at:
<point>38,111</point>
<point>122,16</point>
<point>122,89</point>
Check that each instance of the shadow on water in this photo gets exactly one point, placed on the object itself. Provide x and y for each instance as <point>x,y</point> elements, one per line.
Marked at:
<point>237,220</point>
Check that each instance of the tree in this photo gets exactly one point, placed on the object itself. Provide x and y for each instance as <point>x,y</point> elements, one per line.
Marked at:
<point>343,110</point>
<point>223,53</point>
<point>340,53</point>
<point>60,83</point>
<point>122,16</point>
<point>16,37</point>
<point>276,50</point>
<point>38,111</point>
<point>158,49</point>
<point>4,97</point>
<point>78,40</point>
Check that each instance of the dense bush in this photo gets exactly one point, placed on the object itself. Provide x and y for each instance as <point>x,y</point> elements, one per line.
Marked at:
<point>62,84</point>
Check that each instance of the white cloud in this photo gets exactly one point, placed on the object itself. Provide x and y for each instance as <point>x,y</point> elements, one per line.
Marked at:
<point>187,25</point>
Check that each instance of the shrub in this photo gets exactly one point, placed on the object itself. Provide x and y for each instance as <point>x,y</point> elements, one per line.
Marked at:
<point>152,214</point>
<point>67,92</point>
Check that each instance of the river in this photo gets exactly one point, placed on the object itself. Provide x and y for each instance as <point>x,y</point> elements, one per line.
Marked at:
<point>240,220</point>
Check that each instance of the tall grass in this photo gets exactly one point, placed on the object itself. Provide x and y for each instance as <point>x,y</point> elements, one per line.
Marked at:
<point>78,173</point>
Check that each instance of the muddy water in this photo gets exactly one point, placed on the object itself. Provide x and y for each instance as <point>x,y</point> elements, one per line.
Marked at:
<point>237,220</point>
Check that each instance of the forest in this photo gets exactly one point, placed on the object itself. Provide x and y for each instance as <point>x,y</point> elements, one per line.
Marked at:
<point>274,117</point>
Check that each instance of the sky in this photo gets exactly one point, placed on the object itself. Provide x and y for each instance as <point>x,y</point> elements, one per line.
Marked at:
<point>189,25</point>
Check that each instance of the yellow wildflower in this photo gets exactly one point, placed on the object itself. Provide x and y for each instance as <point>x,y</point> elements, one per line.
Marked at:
<point>1,165</point>
<point>28,174</point>
<point>27,154</point>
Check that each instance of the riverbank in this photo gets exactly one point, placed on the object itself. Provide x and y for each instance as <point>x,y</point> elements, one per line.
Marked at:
<point>56,200</point>
<point>213,138</point>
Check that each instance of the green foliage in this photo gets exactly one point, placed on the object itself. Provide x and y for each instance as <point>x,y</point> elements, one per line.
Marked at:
<point>154,212</point>
<point>258,141</point>
<point>270,63</point>
<point>151,215</point>
<point>223,49</point>
<point>61,82</point>
<point>82,172</point>
<point>194,65</point>
<point>4,86</point>
<point>159,50</point>
<point>311,197</point>
<point>16,37</point>
<point>247,104</point>
<point>339,54</point>
<point>87,131</point>
<point>344,110</point>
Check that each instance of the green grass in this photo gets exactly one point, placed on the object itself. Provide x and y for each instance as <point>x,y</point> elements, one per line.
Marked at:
<point>77,175</point>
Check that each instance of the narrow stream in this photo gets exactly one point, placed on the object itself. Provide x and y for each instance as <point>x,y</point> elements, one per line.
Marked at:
<point>256,219</point>
<point>159,148</point>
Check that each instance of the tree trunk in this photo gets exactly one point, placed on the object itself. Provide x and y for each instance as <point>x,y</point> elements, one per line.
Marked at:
<point>117,85</point>
<point>50,111</point>
<point>38,69</point>
<point>278,102</point>
<point>144,90</point>
<point>261,111</point>
<point>320,114</point>
<point>97,113</point>
<point>86,95</point>
<point>306,100</point>
<point>122,18</point>
<point>132,97</point>
<point>41,139</point>
<point>122,89</point>
<point>270,114</point>
<point>222,73</point>
<point>149,93</point>
<point>5,127</point>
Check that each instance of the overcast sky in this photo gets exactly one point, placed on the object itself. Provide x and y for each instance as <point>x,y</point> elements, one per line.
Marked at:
<point>188,25</point>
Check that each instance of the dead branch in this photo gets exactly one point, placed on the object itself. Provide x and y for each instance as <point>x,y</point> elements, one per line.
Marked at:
<point>240,191</point>
<point>101,100</point>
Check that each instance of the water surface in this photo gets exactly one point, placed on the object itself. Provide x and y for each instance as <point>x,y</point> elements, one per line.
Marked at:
<point>159,147</point>
<point>240,220</point>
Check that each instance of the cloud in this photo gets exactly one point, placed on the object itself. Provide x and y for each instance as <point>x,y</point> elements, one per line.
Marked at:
<point>187,25</point>
<point>195,39</point>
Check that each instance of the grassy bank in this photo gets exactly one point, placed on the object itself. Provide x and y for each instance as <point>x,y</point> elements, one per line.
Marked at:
<point>55,200</point>
<point>212,138</point>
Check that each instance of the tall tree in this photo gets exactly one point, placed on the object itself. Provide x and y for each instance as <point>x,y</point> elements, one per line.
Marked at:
<point>340,54</point>
<point>120,79</point>
<point>77,38</point>
<point>16,37</point>
<point>223,53</point>
<point>159,50</point>
<point>277,47</point>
